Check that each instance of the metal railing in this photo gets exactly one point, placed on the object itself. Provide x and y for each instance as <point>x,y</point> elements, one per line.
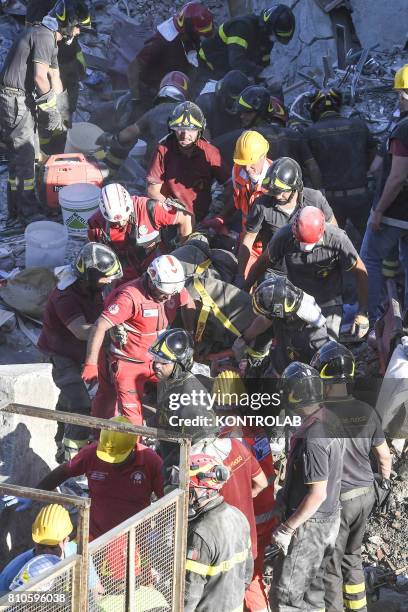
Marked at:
<point>139,564</point>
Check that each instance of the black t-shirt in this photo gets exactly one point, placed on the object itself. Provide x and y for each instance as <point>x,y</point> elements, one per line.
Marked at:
<point>316,455</point>
<point>218,120</point>
<point>37,44</point>
<point>285,142</point>
<point>318,272</point>
<point>266,219</point>
<point>362,430</point>
<point>341,149</point>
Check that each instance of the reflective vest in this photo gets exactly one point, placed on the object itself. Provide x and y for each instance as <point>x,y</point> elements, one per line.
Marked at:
<point>245,194</point>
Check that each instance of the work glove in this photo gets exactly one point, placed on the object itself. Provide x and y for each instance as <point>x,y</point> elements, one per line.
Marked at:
<point>383,493</point>
<point>106,139</point>
<point>64,109</point>
<point>119,334</point>
<point>21,503</point>
<point>89,373</point>
<point>49,116</point>
<point>238,348</point>
<point>282,537</point>
<point>360,326</point>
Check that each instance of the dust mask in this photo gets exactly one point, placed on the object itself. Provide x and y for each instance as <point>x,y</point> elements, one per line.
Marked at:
<point>307,247</point>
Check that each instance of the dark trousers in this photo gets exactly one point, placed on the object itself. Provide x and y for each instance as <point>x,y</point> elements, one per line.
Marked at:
<point>18,129</point>
<point>355,207</point>
<point>298,577</point>
<point>344,578</point>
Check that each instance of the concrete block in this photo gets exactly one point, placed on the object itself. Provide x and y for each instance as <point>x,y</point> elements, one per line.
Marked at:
<point>27,446</point>
<point>376,21</point>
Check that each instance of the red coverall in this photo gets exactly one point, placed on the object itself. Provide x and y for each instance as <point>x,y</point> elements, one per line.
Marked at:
<point>130,366</point>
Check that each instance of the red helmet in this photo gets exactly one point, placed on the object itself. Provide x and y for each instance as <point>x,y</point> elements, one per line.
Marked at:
<point>175,85</point>
<point>207,473</point>
<point>194,19</point>
<point>308,227</point>
<point>277,111</point>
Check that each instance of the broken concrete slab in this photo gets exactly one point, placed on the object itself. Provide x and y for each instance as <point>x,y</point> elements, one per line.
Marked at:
<point>380,23</point>
<point>27,449</point>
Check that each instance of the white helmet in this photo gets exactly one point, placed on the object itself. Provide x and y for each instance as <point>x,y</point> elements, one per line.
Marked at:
<point>115,203</point>
<point>167,274</point>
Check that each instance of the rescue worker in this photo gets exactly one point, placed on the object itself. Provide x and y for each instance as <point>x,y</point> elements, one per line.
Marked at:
<point>152,126</point>
<point>343,175</point>
<point>219,106</point>
<point>219,561</point>
<point>309,500</point>
<point>131,226</point>
<point>71,64</point>
<point>50,533</point>
<point>254,439</point>
<point>71,310</point>
<point>266,113</point>
<point>184,165</point>
<point>223,311</point>
<point>245,42</point>
<point>172,362</point>
<point>316,254</point>
<point>293,318</point>
<point>113,466</point>
<point>145,307</point>
<point>174,46</point>
<point>284,195</point>
<point>388,224</point>
<point>247,480</point>
<point>29,84</point>
<point>344,576</point>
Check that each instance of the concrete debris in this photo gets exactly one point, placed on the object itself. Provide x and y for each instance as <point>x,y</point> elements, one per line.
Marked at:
<point>380,23</point>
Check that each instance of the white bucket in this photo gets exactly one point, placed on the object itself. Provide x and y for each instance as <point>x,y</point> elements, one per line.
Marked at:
<point>81,138</point>
<point>78,203</point>
<point>139,150</point>
<point>46,243</point>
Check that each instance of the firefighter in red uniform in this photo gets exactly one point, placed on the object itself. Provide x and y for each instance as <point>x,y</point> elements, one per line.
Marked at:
<point>145,307</point>
<point>131,225</point>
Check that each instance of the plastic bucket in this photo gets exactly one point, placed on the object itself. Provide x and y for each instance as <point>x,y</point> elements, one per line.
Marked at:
<point>46,243</point>
<point>78,203</point>
<point>81,138</point>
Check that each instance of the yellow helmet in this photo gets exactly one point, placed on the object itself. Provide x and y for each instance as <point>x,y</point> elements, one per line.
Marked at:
<point>228,388</point>
<point>401,78</point>
<point>52,525</point>
<point>250,147</point>
<point>114,446</point>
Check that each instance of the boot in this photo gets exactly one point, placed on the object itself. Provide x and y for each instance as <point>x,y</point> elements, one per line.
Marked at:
<point>30,207</point>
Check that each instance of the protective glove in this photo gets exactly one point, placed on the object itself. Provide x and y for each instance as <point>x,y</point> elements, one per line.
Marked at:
<point>89,373</point>
<point>383,494</point>
<point>119,334</point>
<point>238,348</point>
<point>360,326</point>
<point>106,139</point>
<point>49,116</point>
<point>282,537</point>
<point>64,109</point>
<point>21,503</point>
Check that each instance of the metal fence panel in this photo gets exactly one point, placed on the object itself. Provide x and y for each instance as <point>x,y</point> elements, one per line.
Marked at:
<point>108,584</point>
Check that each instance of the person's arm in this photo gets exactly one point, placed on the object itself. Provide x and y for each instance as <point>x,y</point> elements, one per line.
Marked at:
<point>376,164</point>
<point>244,251</point>
<point>384,459</point>
<point>185,227</point>
<point>133,74</point>
<point>259,483</point>
<point>361,275</point>
<point>53,479</point>
<point>129,134</point>
<point>257,270</point>
<point>188,314</point>
<point>95,340</point>
<point>55,80</point>
<point>80,328</point>
<point>259,325</point>
<point>41,80</point>
<point>154,191</point>
<point>158,482</point>
<point>198,555</point>
<point>317,493</point>
<point>393,185</point>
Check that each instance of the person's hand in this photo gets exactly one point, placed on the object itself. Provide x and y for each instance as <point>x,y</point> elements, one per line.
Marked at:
<point>105,140</point>
<point>89,373</point>
<point>20,503</point>
<point>375,220</point>
<point>215,223</point>
<point>360,326</point>
<point>282,537</point>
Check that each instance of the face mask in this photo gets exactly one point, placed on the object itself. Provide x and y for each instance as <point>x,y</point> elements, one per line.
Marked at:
<point>306,247</point>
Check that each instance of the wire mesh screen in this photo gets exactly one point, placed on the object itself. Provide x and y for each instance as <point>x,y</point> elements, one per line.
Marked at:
<point>53,593</point>
<point>108,576</point>
<point>155,539</point>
